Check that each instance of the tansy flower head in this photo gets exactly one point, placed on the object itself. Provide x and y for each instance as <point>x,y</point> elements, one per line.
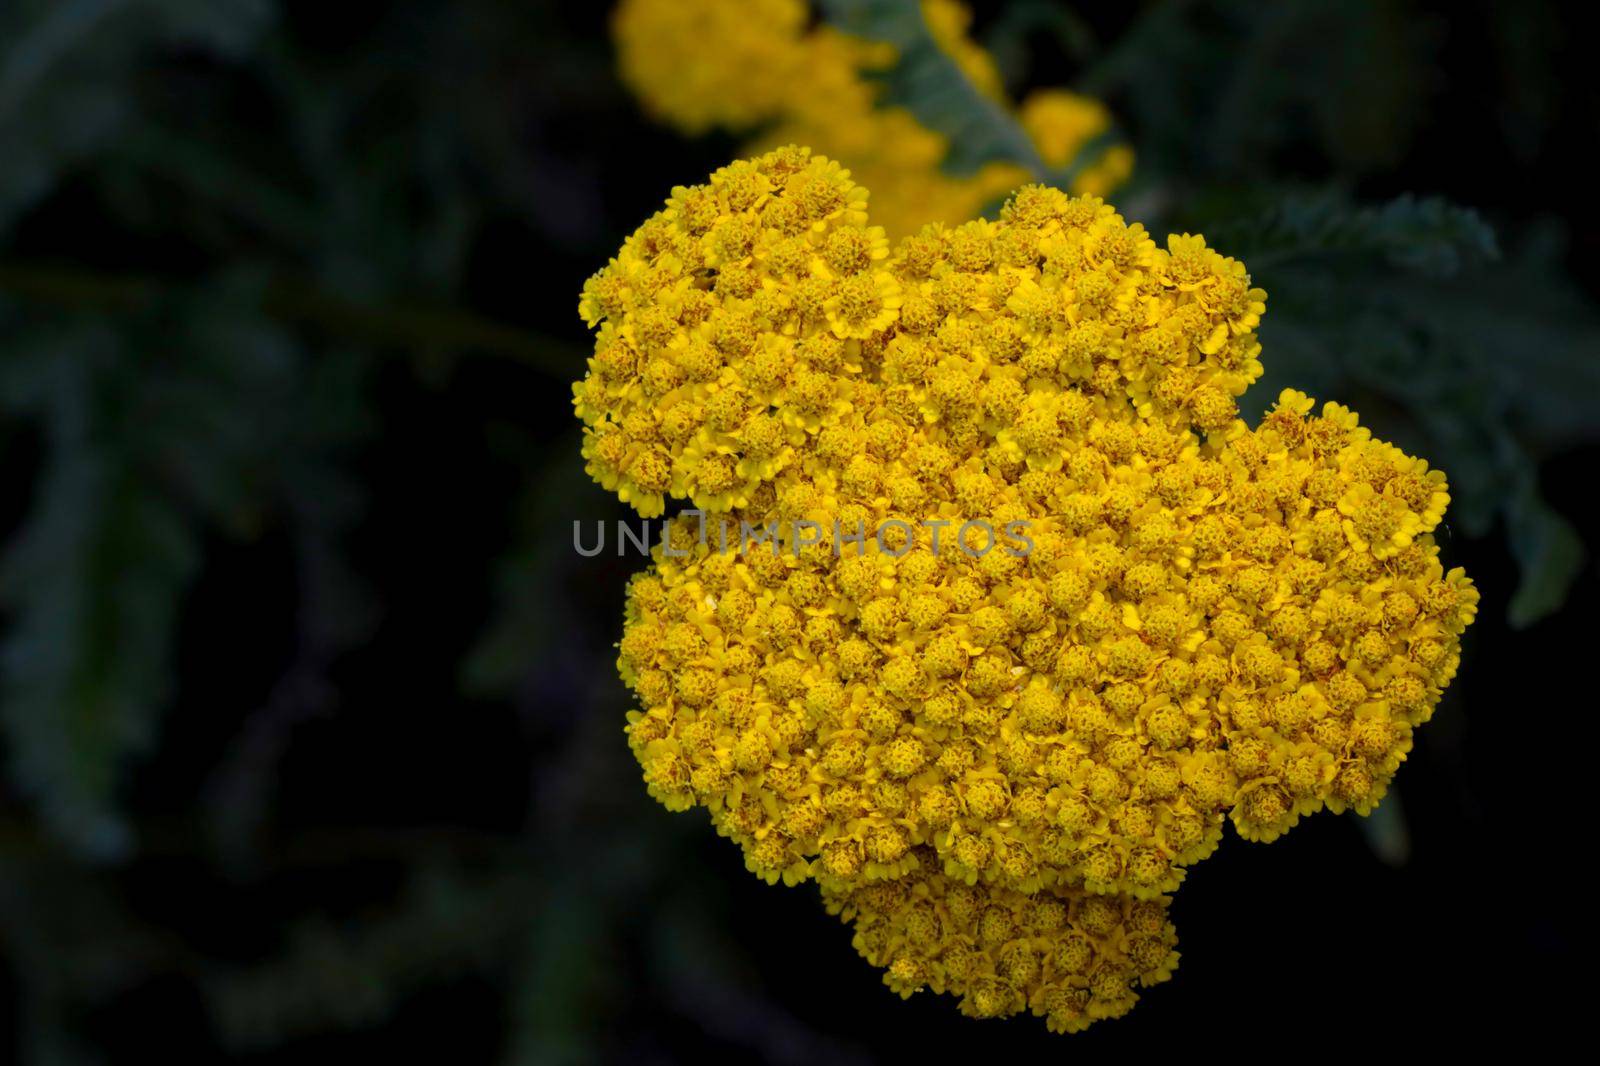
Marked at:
<point>1089,618</point>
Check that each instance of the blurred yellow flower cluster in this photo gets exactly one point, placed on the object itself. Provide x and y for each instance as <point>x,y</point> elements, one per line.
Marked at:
<point>996,612</point>
<point>703,64</point>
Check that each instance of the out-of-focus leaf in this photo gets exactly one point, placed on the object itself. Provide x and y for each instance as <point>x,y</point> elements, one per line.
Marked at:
<point>92,587</point>
<point>1550,553</point>
<point>556,992</point>
<point>191,408</point>
<point>1386,832</point>
<point>65,71</point>
<point>1429,235</point>
<point>928,81</point>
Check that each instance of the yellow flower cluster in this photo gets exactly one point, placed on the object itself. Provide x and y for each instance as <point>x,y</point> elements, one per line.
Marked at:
<point>705,64</point>
<point>1068,955</point>
<point>997,611</point>
<point>700,64</point>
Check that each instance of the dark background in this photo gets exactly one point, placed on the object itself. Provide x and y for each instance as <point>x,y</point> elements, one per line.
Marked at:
<point>312,731</point>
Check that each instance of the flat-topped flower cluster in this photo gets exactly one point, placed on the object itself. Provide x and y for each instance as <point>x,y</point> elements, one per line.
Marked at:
<point>997,766</point>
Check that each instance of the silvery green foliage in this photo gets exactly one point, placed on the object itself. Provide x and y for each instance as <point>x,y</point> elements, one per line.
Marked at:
<point>92,582</point>
<point>927,80</point>
<point>171,409</point>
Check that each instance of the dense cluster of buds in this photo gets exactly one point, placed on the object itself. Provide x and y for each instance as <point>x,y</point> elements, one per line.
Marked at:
<point>995,755</point>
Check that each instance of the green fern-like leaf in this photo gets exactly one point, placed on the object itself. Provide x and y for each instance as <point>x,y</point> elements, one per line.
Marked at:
<point>188,414</point>
<point>1428,235</point>
<point>92,587</point>
<point>928,81</point>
